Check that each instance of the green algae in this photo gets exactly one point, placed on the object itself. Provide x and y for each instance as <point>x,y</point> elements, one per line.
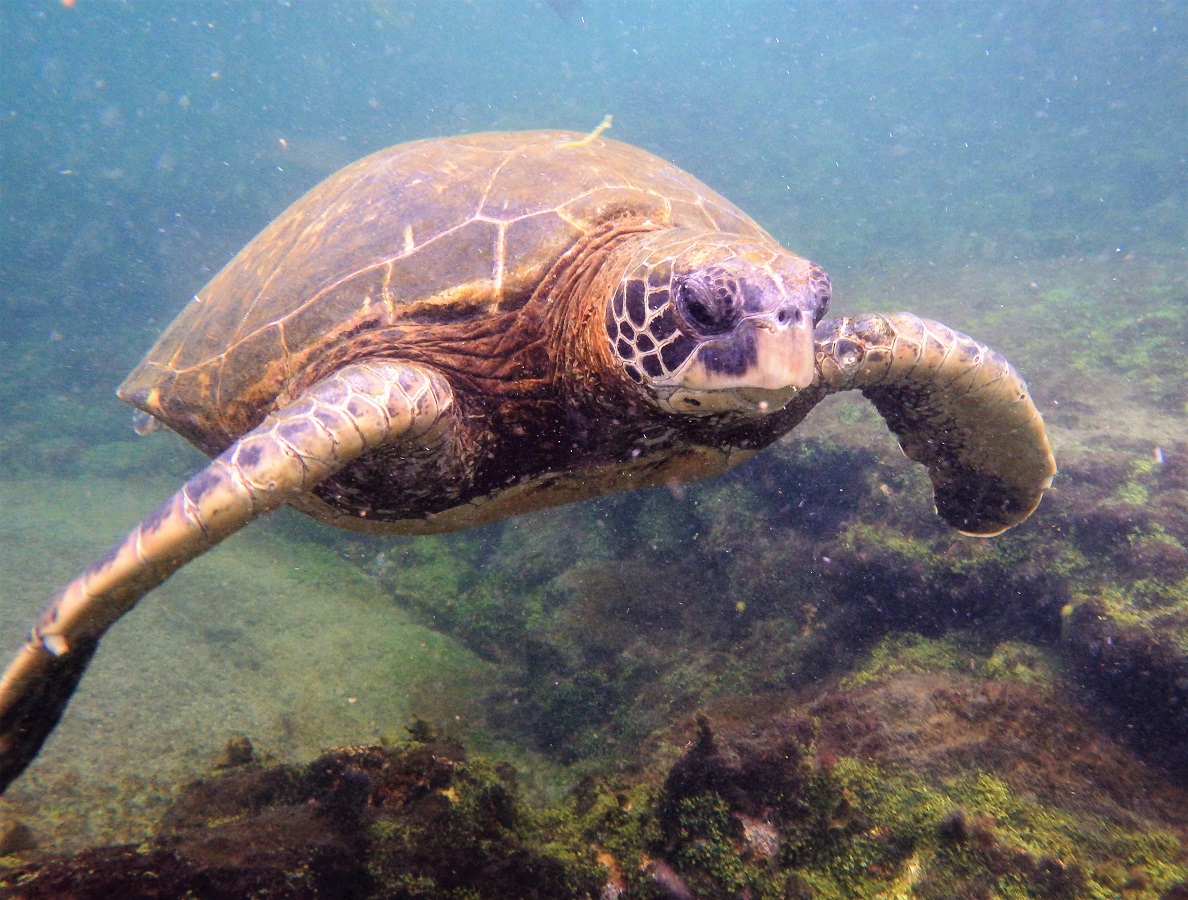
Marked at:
<point>469,835</point>
<point>430,573</point>
<point>1028,831</point>
<point>702,835</point>
<point>1018,661</point>
<point>1142,605</point>
<point>855,829</point>
<point>1155,534</point>
<point>1134,490</point>
<point>878,832</point>
<point>903,548</point>
<point>908,653</point>
<point>959,652</point>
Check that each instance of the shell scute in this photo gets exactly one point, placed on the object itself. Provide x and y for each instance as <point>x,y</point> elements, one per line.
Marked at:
<point>433,274</point>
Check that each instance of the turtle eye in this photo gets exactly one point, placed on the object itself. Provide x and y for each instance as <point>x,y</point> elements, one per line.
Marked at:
<point>707,306</point>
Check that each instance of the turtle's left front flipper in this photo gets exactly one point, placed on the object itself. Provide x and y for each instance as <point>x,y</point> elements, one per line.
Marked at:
<point>955,405</point>
<point>359,408</point>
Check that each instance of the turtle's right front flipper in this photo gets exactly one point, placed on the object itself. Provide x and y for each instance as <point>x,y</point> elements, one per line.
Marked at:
<point>954,404</point>
<point>359,408</point>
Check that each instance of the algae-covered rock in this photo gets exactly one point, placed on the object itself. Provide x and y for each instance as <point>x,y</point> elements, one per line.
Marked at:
<point>918,785</point>
<point>419,821</point>
<point>767,598</point>
<point>931,784</point>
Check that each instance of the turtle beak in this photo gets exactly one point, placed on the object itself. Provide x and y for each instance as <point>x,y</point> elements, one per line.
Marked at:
<point>772,357</point>
<point>784,362</point>
<point>784,348</point>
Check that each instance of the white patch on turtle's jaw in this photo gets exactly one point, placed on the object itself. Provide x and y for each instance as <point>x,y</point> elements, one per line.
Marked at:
<point>749,401</point>
<point>784,364</point>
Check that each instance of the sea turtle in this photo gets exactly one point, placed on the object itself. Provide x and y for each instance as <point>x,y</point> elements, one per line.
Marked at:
<point>454,331</point>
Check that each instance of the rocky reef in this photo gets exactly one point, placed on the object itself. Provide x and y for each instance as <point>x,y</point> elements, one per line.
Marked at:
<point>921,776</point>
<point>420,820</point>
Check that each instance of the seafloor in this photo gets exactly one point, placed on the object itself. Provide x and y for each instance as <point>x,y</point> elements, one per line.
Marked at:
<point>792,682</point>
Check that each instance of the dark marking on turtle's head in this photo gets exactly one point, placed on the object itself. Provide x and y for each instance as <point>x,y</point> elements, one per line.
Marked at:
<point>714,323</point>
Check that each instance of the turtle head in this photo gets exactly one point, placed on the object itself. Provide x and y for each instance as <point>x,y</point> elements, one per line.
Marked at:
<point>717,325</point>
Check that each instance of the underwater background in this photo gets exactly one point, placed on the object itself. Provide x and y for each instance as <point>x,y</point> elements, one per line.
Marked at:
<point>792,681</point>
